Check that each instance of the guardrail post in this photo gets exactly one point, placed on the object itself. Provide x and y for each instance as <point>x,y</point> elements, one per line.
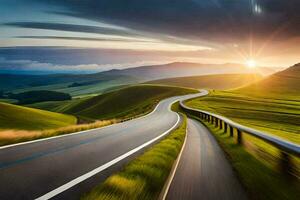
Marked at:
<point>225,127</point>
<point>239,137</point>
<point>221,124</point>
<point>216,122</point>
<point>231,131</point>
<point>285,164</point>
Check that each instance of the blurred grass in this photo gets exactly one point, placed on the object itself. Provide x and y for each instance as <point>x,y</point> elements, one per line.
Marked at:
<point>260,177</point>
<point>15,136</point>
<point>144,177</point>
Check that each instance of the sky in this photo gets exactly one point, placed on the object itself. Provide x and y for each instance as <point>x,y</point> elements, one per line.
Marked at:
<point>97,35</point>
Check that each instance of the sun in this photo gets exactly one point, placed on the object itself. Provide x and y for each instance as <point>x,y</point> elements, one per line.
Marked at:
<point>251,63</point>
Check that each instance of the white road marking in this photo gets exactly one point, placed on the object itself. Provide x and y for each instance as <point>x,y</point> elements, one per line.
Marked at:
<point>103,167</point>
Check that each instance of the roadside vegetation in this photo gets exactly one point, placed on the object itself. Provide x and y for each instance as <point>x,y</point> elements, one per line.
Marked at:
<point>23,118</point>
<point>216,81</point>
<point>261,178</point>
<point>145,176</point>
<point>15,136</point>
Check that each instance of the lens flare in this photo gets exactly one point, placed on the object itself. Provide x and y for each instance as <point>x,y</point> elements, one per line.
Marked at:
<point>251,63</point>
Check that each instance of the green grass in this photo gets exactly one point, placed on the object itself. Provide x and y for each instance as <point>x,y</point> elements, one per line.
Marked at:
<point>23,118</point>
<point>280,117</point>
<point>261,180</point>
<point>124,103</point>
<point>144,177</point>
<point>211,81</point>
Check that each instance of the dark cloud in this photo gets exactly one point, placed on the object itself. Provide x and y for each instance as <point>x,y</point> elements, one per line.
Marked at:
<point>214,20</point>
<point>82,38</point>
<point>72,28</point>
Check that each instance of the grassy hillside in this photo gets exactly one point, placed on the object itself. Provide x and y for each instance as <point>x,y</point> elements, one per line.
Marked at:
<point>271,105</point>
<point>283,85</point>
<point>211,81</point>
<point>124,103</point>
<point>18,117</point>
<point>58,106</point>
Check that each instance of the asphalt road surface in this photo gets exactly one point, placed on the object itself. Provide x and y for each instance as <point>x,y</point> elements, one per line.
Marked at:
<point>65,167</point>
<point>203,171</point>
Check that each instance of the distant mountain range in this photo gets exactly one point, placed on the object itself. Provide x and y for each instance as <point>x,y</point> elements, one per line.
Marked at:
<point>112,78</point>
<point>182,69</point>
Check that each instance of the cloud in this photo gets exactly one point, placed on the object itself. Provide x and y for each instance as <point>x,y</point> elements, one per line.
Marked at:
<point>84,38</point>
<point>31,65</point>
<point>214,20</point>
<point>73,28</point>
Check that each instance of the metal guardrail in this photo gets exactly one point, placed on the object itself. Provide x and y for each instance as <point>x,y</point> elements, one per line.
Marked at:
<point>286,148</point>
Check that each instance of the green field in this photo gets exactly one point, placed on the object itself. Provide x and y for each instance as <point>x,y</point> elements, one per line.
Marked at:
<point>145,176</point>
<point>123,103</point>
<point>73,84</point>
<point>95,88</point>
<point>23,118</point>
<point>219,81</point>
<point>278,117</point>
<point>271,105</point>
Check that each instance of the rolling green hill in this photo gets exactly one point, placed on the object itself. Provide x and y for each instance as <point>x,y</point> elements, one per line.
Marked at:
<point>271,105</point>
<point>18,117</point>
<point>124,103</point>
<point>57,106</point>
<point>211,81</point>
<point>283,85</point>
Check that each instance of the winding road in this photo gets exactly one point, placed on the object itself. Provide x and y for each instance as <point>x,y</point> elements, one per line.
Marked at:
<point>65,167</point>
